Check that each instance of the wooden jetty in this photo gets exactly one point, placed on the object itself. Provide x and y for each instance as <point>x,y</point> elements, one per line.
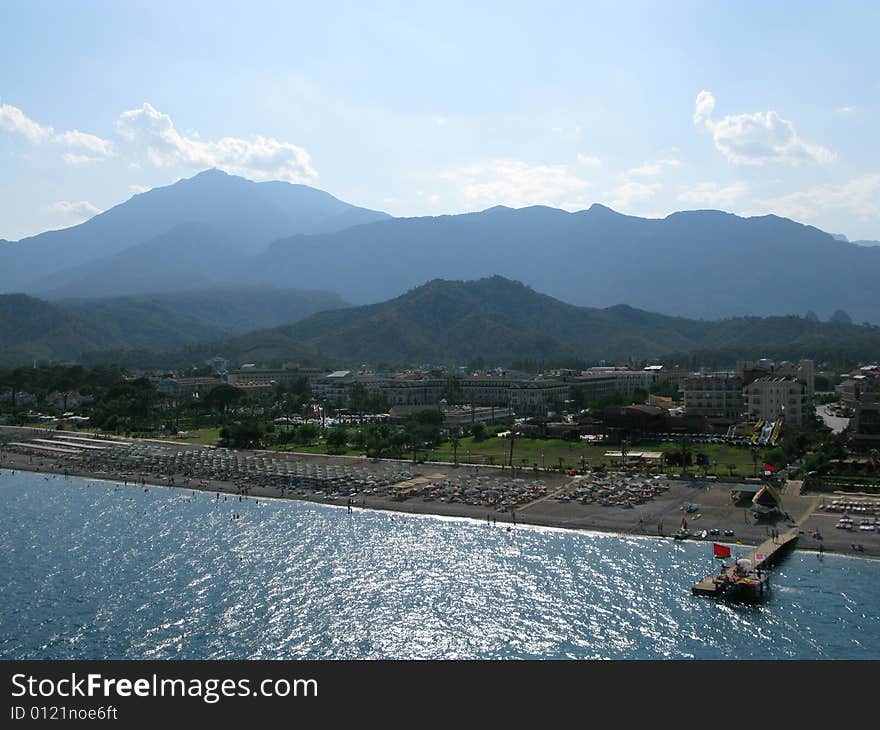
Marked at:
<point>748,583</point>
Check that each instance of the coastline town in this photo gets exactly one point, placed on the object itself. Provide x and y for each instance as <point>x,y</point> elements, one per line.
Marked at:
<point>655,451</point>
<point>656,467</point>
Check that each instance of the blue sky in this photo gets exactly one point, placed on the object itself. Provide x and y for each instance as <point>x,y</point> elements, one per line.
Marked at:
<point>430,108</point>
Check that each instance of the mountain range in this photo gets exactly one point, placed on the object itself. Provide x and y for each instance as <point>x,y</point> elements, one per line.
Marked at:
<point>505,322</point>
<point>699,264</point>
<point>198,230</point>
<point>218,230</point>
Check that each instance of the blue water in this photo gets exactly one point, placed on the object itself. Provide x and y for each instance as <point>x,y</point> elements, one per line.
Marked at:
<point>93,570</point>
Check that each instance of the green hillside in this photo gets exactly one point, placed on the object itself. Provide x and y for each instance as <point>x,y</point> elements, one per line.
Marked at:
<point>504,322</point>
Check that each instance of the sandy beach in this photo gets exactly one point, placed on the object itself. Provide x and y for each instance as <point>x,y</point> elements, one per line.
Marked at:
<point>536,497</point>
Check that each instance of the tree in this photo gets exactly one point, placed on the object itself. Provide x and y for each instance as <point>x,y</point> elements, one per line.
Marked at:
<point>337,439</point>
<point>222,397</point>
<point>398,442</point>
<point>684,448</point>
<point>307,433</point>
<point>478,431</point>
<point>455,441</point>
<point>359,398</point>
<point>664,388</point>
<point>247,434</point>
<point>377,440</point>
<point>452,392</point>
<point>17,380</point>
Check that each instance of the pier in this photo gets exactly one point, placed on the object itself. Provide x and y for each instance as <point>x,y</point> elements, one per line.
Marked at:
<point>733,582</point>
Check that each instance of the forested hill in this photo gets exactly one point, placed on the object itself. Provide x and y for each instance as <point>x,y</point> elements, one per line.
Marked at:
<point>501,322</point>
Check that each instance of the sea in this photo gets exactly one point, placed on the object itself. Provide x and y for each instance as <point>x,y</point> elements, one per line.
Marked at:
<point>94,569</point>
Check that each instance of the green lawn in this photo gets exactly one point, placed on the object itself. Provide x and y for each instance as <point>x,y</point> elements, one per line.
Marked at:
<point>207,436</point>
<point>543,452</point>
<point>318,448</point>
<point>547,453</point>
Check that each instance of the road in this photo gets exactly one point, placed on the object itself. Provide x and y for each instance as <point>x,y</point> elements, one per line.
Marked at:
<point>835,423</point>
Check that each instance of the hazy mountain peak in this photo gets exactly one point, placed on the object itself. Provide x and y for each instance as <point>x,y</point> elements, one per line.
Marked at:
<point>250,215</point>
<point>214,172</point>
<point>599,209</point>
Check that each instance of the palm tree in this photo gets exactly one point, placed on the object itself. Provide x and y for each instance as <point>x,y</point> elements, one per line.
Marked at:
<point>684,448</point>
<point>455,441</point>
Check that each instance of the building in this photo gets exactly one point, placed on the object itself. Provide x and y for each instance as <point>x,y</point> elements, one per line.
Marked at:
<point>334,387</point>
<point>595,383</point>
<point>537,397</point>
<point>865,425</point>
<point>526,396</point>
<point>803,371</point>
<point>175,387</point>
<point>773,397</point>
<point>467,416</point>
<point>253,374</point>
<point>718,395</point>
<point>852,389</point>
<point>220,365</point>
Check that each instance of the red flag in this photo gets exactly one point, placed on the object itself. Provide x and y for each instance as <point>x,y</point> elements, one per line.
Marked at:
<point>769,467</point>
<point>721,551</point>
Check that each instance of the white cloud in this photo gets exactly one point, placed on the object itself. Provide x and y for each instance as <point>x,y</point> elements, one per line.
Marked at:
<point>629,194</point>
<point>79,210</point>
<point>712,195</point>
<point>261,158</point>
<point>859,198</point>
<point>757,138</point>
<point>589,160</point>
<point>517,184</point>
<point>82,140</point>
<point>653,168</point>
<point>704,107</point>
<point>139,188</point>
<point>846,109</point>
<point>13,119</point>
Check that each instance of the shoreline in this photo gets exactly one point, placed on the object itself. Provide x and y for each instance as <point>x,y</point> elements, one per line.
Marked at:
<point>542,513</point>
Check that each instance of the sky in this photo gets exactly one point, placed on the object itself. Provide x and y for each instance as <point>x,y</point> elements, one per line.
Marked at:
<point>418,108</point>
